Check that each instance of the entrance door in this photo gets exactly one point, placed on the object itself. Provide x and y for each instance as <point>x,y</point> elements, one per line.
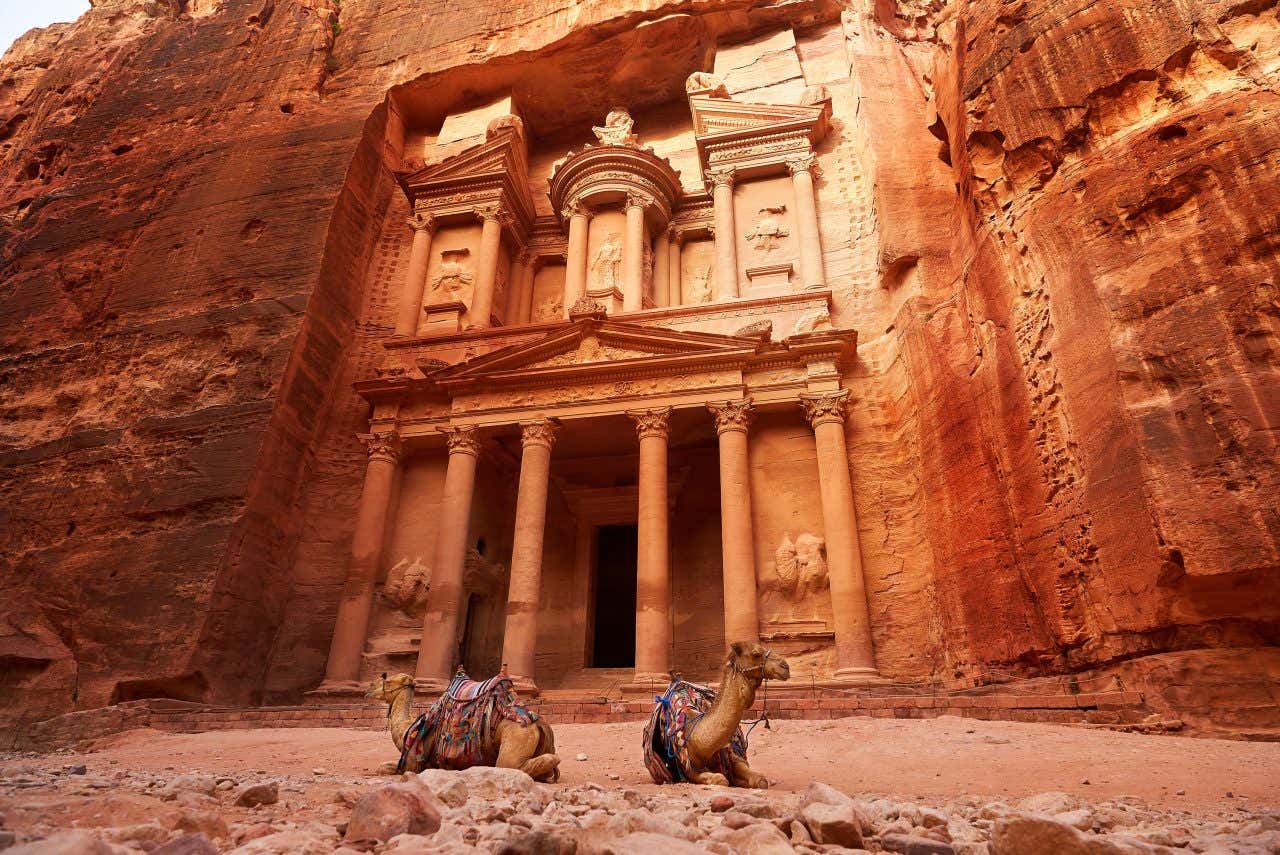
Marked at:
<point>614,639</point>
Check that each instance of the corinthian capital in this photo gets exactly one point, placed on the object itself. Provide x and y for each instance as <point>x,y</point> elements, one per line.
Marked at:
<point>637,199</point>
<point>383,445</point>
<point>421,221</point>
<point>576,208</point>
<point>825,408</point>
<point>542,432</point>
<point>494,211</point>
<point>806,163</point>
<point>653,422</point>
<point>732,415</point>
<point>462,439</point>
<point>720,177</point>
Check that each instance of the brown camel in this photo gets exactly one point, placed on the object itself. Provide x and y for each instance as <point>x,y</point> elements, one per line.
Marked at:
<point>529,748</point>
<point>746,667</point>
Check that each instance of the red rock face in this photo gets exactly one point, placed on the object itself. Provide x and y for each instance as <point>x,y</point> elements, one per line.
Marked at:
<point>1064,449</point>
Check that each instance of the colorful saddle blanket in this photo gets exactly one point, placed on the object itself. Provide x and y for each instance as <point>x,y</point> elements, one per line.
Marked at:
<point>666,736</point>
<point>460,729</point>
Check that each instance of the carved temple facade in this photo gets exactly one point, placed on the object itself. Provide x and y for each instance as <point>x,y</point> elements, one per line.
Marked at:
<point>608,433</point>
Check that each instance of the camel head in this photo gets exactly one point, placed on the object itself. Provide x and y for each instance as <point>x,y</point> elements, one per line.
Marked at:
<point>757,661</point>
<point>386,688</point>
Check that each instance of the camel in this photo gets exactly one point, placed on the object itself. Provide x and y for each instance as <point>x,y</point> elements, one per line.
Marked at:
<point>530,748</point>
<point>708,746</point>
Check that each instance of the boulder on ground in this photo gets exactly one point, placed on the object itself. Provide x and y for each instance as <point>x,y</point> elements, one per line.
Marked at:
<point>204,822</point>
<point>908,844</point>
<point>539,843</point>
<point>266,793</point>
<point>187,844</point>
<point>1049,803</point>
<point>760,838</point>
<point>448,787</point>
<point>314,839</point>
<point>1034,834</point>
<point>488,782</point>
<point>191,782</point>
<point>831,823</point>
<point>648,843</point>
<point>405,807</point>
<point>67,843</point>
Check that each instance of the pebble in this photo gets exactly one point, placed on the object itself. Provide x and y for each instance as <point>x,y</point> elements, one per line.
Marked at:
<point>582,755</point>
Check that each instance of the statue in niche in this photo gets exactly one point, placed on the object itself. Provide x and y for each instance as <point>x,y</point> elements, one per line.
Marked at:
<point>407,585</point>
<point>700,286</point>
<point>800,566</point>
<point>452,277</point>
<point>617,128</point>
<point>607,265</point>
<point>768,231</point>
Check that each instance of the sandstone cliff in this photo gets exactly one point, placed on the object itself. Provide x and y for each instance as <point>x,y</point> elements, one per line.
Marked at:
<point>1065,285</point>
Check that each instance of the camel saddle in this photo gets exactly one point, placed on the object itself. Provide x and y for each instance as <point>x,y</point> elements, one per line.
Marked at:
<point>460,729</point>
<point>666,736</point>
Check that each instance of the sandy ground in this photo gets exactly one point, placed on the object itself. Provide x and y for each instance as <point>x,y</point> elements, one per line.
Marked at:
<point>942,757</point>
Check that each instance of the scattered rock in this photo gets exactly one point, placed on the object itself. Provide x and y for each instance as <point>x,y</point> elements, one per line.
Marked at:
<point>187,844</point>
<point>253,795</point>
<point>243,834</point>
<point>539,843</point>
<point>720,804</point>
<point>1030,834</point>
<point>649,843</point>
<point>581,756</point>
<point>447,786</point>
<point>190,783</point>
<point>1049,803</point>
<point>760,838</point>
<point>406,807</point>
<point>312,840</point>
<point>204,822</point>
<point>491,783</point>
<point>911,845</point>
<point>828,823</point>
<point>66,843</point>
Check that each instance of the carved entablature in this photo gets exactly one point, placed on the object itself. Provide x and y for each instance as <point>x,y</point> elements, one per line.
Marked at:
<point>753,139</point>
<point>489,177</point>
<point>610,174</point>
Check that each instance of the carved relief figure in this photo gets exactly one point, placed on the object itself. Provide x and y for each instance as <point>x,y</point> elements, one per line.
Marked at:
<point>452,277</point>
<point>617,128</point>
<point>768,231</point>
<point>700,286</point>
<point>800,566</point>
<point>407,585</point>
<point>606,267</point>
<point>550,311</point>
<point>705,81</point>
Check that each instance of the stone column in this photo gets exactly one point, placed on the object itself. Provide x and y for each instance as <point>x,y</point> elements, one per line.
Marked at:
<point>633,253</point>
<point>802,171</point>
<point>653,582</point>
<point>737,540</point>
<point>516,290</point>
<point>662,269</point>
<point>437,656</point>
<point>487,265</point>
<point>575,272</point>
<point>356,605</point>
<point>855,654</point>
<point>521,637</point>
<point>674,286</point>
<point>726,235</point>
<point>415,284</point>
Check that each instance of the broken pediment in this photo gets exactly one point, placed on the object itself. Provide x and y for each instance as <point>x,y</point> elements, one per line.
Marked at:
<point>726,118</point>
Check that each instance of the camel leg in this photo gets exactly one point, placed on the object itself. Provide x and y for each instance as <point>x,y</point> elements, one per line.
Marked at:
<point>711,779</point>
<point>745,776</point>
<point>516,749</point>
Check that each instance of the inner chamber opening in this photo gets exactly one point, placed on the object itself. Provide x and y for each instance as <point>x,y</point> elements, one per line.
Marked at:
<point>614,636</point>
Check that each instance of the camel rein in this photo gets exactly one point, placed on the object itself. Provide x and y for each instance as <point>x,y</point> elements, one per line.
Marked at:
<point>764,695</point>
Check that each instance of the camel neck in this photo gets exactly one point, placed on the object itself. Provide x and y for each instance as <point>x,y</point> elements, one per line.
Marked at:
<point>737,694</point>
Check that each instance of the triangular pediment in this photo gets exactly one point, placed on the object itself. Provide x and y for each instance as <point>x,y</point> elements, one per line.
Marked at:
<point>724,116</point>
<point>594,345</point>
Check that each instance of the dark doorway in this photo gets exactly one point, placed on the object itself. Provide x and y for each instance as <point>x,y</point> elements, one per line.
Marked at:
<point>614,644</point>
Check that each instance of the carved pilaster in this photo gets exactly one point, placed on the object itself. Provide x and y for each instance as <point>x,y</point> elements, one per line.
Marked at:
<point>806,163</point>
<point>462,439</point>
<point>653,422</point>
<point>828,407</point>
<point>383,445</point>
<point>542,432</point>
<point>421,221</point>
<point>732,415</point>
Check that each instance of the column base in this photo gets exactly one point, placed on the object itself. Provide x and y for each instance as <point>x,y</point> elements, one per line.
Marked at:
<point>430,685</point>
<point>338,689</point>
<point>646,684</point>
<point>861,675</point>
<point>525,686</point>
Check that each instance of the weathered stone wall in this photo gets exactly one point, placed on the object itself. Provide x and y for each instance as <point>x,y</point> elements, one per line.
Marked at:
<point>1051,222</point>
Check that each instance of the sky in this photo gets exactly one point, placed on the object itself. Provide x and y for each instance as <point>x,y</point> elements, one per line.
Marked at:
<point>18,16</point>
